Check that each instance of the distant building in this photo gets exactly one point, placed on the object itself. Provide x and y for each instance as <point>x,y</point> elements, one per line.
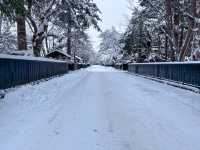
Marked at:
<point>59,55</point>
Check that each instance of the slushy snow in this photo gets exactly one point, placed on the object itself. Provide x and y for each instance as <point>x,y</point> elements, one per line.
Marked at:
<point>100,108</point>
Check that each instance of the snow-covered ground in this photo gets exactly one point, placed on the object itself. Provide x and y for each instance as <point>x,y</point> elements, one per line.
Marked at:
<point>100,109</point>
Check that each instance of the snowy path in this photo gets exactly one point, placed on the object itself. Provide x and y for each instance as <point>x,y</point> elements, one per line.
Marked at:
<point>100,109</point>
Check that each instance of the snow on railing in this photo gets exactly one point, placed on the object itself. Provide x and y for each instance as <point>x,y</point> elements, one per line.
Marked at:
<point>156,63</point>
<point>6,56</point>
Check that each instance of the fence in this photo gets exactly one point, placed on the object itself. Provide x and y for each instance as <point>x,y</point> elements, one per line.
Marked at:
<point>187,73</point>
<point>121,66</point>
<point>15,71</point>
<point>73,67</point>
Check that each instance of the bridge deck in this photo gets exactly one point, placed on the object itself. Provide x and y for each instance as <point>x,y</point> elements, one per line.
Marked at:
<point>100,109</point>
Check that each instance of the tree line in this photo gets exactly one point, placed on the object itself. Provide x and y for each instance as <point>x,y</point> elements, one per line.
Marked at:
<point>169,29</point>
<point>53,24</point>
<point>158,30</point>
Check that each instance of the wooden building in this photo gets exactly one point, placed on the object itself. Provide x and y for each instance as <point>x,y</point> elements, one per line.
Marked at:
<point>59,55</point>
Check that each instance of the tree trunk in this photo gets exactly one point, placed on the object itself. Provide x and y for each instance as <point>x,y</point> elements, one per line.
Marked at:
<point>140,37</point>
<point>36,50</point>
<point>37,45</point>
<point>159,43</point>
<point>169,16</point>
<point>47,45</point>
<point>21,31</point>
<point>166,47</point>
<point>0,24</point>
<point>69,32</point>
<point>176,31</point>
<point>189,35</point>
<point>39,36</point>
<point>69,41</point>
<point>181,38</point>
<point>187,41</point>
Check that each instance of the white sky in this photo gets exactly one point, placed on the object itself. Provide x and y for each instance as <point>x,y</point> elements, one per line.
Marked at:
<point>114,13</point>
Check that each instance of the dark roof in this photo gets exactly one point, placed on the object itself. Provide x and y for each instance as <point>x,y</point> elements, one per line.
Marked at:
<point>52,53</point>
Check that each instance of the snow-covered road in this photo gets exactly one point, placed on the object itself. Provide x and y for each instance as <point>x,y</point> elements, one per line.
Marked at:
<point>100,109</point>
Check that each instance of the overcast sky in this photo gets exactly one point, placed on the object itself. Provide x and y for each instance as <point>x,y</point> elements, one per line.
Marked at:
<point>114,13</point>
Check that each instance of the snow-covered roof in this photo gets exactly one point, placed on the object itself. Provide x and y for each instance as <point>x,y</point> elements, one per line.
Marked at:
<point>59,51</point>
<point>21,53</point>
<point>78,58</point>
